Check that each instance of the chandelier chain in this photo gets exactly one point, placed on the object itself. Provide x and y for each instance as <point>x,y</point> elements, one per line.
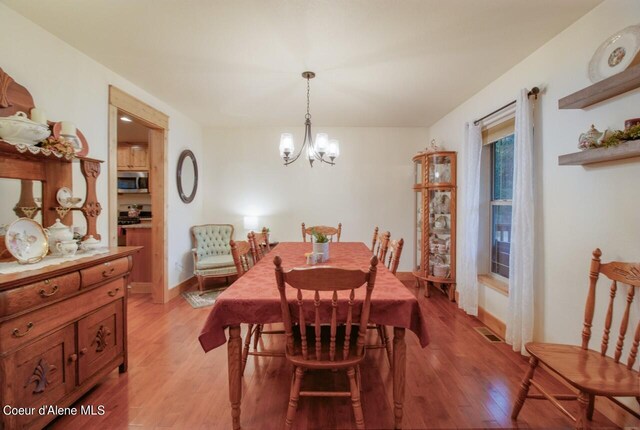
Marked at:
<point>308,115</point>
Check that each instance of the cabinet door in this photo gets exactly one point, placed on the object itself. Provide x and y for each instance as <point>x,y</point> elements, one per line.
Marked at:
<point>100,339</point>
<point>139,157</point>
<point>40,374</point>
<point>124,157</point>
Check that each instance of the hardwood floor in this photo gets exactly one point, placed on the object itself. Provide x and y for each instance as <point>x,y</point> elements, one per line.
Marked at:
<point>459,381</point>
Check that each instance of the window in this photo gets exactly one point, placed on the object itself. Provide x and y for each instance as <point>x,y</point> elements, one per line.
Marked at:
<point>501,202</point>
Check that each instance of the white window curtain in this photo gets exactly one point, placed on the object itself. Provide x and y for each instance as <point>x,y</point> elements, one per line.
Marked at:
<point>468,264</point>
<point>520,312</point>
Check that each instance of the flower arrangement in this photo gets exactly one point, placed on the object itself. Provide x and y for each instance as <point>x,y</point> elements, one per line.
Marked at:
<point>619,136</point>
<point>319,237</point>
<point>59,145</point>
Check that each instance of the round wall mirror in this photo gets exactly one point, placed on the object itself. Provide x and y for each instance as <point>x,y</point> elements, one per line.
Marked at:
<point>187,176</point>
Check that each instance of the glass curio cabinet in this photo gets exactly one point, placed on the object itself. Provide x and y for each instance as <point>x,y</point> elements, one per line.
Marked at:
<point>435,221</point>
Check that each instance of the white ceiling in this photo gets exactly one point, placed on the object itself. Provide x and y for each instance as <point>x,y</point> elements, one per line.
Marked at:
<point>238,62</point>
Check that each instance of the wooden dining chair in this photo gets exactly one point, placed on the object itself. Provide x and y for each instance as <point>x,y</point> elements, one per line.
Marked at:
<point>592,373</point>
<point>258,244</point>
<point>395,251</point>
<point>314,345</point>
<point>331,232</point>
<point>383,246</point>
<point>374,241</point>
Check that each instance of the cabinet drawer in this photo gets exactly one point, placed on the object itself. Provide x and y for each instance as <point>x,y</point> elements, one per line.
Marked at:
<point>103,271</point>
<point>23,329</point>
<point>100,339</point>
<point>32,295</point>
<point>39,374</point>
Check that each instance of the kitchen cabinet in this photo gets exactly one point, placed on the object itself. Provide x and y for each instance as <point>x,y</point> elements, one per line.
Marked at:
<point>133,156</point>
<point>141,274</point>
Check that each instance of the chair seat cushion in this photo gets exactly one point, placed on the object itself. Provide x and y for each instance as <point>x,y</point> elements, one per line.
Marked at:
<point>587,370</point>
<point>325,363</point>
<point>215,261</point>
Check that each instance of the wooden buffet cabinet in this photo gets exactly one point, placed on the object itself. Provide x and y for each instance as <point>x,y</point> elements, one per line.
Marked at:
<point>62,329</point>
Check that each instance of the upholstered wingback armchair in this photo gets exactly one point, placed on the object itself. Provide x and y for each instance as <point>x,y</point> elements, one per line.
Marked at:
<point>212,252</point>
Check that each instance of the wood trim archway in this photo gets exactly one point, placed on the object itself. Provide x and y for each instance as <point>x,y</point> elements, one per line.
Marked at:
<point>158,122</point>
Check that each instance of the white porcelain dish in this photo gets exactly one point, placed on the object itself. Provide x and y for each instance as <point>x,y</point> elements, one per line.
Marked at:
<point>615,54</point>
<point>19,129</point>
<point>26,241</point>
<point>62,196</point>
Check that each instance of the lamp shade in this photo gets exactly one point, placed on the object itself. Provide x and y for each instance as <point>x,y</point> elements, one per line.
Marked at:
<point>334,148</point>
<point>286,144</point>
<point>311,155</point>
<point>322,143</point>
<point>251,223</point>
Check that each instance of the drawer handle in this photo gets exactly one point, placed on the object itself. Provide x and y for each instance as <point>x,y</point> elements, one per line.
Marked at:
<point>16,332</point>
<point>107,273</point>
<point>114,292</point>
<point>73,358</point>
<point>44,294</point>
<point>83,351</point>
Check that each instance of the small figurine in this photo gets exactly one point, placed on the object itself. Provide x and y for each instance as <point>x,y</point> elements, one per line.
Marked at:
<point>433,147</point>
<point>590,139</point>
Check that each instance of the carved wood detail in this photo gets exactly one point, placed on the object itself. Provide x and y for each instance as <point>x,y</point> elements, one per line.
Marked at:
<point>13,96</point>
<point>5,81</point>
<point>39,376</point>
<point>101,338</point>
<point>91,208</point>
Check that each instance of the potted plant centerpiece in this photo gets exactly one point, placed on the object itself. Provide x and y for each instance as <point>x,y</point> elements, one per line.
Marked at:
<point>320,245</point>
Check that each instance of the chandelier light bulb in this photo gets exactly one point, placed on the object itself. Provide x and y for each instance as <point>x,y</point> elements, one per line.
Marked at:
<point>322,143</point>
<point>286,145</point>
<point>333,150</point>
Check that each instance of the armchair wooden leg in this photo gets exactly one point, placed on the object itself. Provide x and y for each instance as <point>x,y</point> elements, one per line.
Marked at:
<point>582,421</point>
<point>355,398</point>
<point>200,283</point>
<point>245,350</point>
<point>293,398</point>
<point>524,388</point>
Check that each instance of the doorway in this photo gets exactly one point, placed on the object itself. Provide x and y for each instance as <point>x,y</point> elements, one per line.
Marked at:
<point>156,124</point>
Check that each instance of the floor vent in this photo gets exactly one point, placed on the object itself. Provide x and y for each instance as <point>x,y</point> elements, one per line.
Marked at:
<point>488,334</point>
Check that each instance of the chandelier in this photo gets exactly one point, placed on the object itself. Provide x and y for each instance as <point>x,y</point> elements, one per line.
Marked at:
<point>315,150</point>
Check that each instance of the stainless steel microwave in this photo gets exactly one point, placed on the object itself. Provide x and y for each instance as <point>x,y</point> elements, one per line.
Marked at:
<point>133,182</point>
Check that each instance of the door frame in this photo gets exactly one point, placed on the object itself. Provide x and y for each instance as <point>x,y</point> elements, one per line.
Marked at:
<point>158,123</point>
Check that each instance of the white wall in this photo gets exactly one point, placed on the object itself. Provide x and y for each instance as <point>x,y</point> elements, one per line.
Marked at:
<point>370,185</point>
<point>70,86</point>
<point>578,208</point>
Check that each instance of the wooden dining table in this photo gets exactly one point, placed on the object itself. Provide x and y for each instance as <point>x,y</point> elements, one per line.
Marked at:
<point>254,299</point>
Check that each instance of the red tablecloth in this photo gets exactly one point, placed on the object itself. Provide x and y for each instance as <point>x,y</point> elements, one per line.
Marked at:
<point>254,298</point>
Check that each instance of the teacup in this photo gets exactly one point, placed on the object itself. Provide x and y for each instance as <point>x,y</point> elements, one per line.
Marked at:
<point>89,244</point>
<point>67,248</point>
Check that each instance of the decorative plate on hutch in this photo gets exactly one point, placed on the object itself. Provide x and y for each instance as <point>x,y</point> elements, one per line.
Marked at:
<point>26,241</point>
<point>615,54</point>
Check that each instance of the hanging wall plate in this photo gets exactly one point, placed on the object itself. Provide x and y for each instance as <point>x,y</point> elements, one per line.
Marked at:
<point>616,54</point>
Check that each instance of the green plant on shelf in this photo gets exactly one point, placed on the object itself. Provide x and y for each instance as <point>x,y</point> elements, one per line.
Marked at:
<point>620,136</point>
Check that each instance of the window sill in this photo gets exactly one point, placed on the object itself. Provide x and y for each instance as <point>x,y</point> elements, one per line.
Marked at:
<point>495,284</point>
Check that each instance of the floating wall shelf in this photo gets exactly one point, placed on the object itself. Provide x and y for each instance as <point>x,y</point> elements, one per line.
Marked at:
<point>607,88</point>
<point>600,155</point>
